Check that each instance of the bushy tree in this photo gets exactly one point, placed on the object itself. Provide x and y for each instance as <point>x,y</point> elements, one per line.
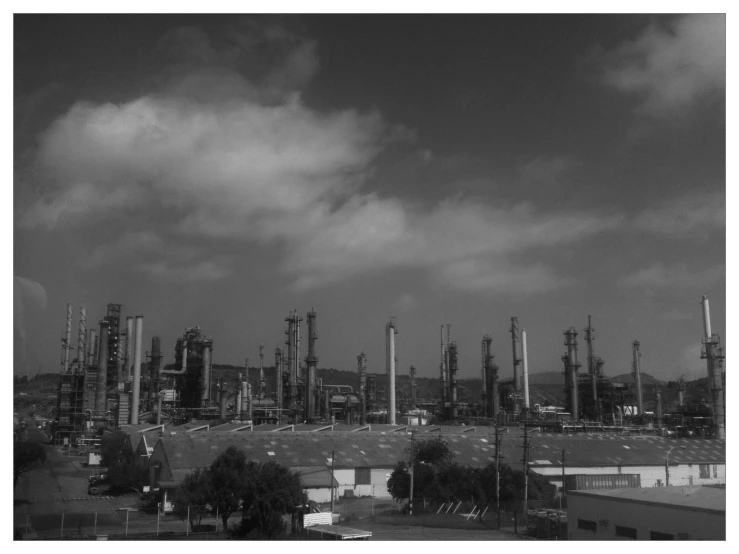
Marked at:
<point>25,456</point>
<point>270,491</point>
<point>228,477</point>
<point>192,496</point>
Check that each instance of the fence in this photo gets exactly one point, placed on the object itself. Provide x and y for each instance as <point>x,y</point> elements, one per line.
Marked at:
<point>118,524</point>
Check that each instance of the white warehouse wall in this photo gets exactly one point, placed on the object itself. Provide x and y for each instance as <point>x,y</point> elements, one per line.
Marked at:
<point>649,475</point>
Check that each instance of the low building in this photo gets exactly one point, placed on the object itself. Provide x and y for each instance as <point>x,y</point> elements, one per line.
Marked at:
<point>655,513</point>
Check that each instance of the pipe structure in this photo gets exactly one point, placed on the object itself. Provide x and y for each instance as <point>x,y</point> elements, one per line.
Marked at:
<point>262,382</point>
<point>592,369</point>
<point>413,385</point>
<point>572,367</point>
<point>452,349</point>
<point>139,331</point>
<point>524,351</point>
<point>311,362</point>
<point>81,336</point>
<point>390,333</point>
<point>637,377</point>
<point>442,371</point>
<point>362,369</point>
<point>67,341</point>
<point>102,369</point>
<point>128,374</point>
<point>155,366</point>
<point>207,371</point>
<point>714,364</point>
<point>278,379</point>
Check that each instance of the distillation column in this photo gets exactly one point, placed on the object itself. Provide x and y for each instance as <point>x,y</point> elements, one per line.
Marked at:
<point>637,377</point>
<point>311,362</point>
<point>67,341</point>
<point>592,370</point>
<point>362,370</point>
<point>91,348</point>
<point>128,374</point>
<point>390,337</point>
<point>278,380</point>
<point>102,369</point>
<point>516,362</point>
<point>81,336</point>
<point>290,342</point>
<point>714,362</point>
<point>207,371</point>
<point>571,369</point>
<point>452,349</point>
<point>525,371</point>
<point>491,378</point>
<point>442,370</point>
<point>137,370</point>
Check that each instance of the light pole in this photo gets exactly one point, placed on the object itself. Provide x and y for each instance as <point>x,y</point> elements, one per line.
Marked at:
<point>667,464</point>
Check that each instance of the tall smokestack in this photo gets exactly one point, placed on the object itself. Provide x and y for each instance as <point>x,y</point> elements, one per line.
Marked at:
<point>67,341</point>
<point>128,373</point>
<point>262,382</point>
<point>102,369</point>
<point>362,370</point>
<point>207,370</point>
<point>311,362</point>
<point>244,400</point>
<point>413,385</point>
<point>491,378</point>
<point>525,371</point>
<point>278,380</point>
<point>714,364</point>
<point>390,333</point>
<point>139,330</point>
<point>290,342</point>
<point>156,365</point>
<point>442,370</point>
<point>637,377</point>
<point>81,336</point>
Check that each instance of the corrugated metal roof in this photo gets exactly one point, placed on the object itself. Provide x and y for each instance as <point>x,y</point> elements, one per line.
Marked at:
<point>702,498</point>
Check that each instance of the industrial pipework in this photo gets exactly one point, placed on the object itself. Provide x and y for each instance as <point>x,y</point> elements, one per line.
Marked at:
<point>102,369</point>
<point>362,369</point>
<point>525,371</point>
<point>592,370</point>
<point>81,336</point>
<point>571,369</point>
<point>390,333</point>
<point>452,349</point>
<point>714,357</point>
<point>66,341</point>
<point>311,362</point>
<point>637,377</point>
<point>137,370</point>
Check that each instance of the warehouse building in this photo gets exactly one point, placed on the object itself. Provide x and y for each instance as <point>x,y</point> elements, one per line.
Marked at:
<point>656,513</point>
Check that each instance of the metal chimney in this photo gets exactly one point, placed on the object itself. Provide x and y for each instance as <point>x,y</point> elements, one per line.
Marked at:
<point>128,373</point>
<point>67,341</point>
<point>714,364</point>
<point>207,371</point>
<point>516,357</point>
<point>413,385</point>
<point>452,350</point>
<point>390,334</point>
<point>278,380</point>
<point>362,369</point>
<point>592,369</point>
<point>139,330</point>
<point>571,367</point>
<point>311,362</point>
<point>442,370</point>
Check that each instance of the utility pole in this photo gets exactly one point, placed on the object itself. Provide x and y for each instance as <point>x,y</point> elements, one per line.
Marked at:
<point>526,447</point>
<point>410,501</point>
<point>497,473</point>
<point>332,482</point>
<point>563,479</point>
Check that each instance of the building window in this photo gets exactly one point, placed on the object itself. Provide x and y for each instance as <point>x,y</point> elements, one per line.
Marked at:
<point>628,532</point>
<point>362,476</point>
<point>657,536</point>
<point>715,471</point>
<point>704,471</point>
<point>586,525</point>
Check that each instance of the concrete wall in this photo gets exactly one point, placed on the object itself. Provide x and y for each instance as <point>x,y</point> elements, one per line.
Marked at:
<point>346,479</point>
<point>608,513</point>
<point>679,475</point>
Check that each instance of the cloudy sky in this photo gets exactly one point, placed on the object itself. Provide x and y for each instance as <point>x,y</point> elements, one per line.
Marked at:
<point>220,171</point>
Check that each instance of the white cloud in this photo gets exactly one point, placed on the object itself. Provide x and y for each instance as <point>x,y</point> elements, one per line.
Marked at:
<point>659,275</point>
<point>206,270</point>
<point>694,214</point>
<point>544,168</point>
<point>672,68</point>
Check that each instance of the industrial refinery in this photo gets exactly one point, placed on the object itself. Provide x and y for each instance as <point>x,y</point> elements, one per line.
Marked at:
<point>112,382</point>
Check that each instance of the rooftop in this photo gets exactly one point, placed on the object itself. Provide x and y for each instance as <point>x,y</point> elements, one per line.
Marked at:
<point>712,499</point>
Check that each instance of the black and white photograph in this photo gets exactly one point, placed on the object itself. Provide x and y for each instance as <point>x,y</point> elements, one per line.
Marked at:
<point>368,275</point>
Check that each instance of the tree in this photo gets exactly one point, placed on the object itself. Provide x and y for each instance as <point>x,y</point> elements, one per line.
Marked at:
<point>25,456</point>
<point>270,491</point>
<point>192,496</point>
<point>430,459</point>
<point>227,476</point>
